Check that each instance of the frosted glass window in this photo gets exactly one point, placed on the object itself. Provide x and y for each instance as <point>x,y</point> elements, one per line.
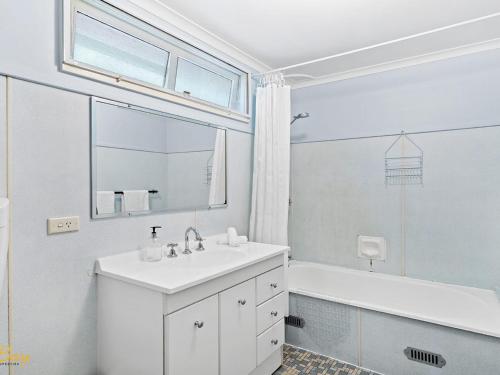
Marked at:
<point>103,41</point>
<point>112,50</point>
<point>202,83</point>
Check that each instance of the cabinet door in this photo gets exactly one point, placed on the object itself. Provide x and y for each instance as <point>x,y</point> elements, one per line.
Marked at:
<point>238,329</point>
<point>191,336</point>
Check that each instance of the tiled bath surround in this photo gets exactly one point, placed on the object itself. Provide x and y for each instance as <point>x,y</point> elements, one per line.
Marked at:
<point>376,340</point>
<point>330,328</point>
<point>444,230</point>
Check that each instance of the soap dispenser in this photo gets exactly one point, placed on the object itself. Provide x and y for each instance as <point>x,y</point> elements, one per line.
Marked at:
<point>153,249</point>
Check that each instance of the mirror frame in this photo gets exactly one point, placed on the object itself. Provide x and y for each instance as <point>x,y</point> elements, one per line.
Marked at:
<point>93,160</point>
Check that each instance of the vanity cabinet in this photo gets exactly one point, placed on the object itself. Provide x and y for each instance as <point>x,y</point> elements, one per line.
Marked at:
<point>219,335</point>
<point>232,324</point>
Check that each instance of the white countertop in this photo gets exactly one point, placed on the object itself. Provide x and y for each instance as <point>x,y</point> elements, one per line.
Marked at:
<point>171,275</point>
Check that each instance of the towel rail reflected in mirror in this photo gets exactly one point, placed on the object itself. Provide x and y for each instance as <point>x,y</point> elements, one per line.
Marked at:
<point>149,191</point>
<point>154,161</point>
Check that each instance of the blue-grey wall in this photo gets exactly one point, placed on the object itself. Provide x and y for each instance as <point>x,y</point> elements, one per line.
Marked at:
<point>3,193</point>
<point>54,301</point>
<point>447,94</point>
<point>54,290</point>
<point>445,230</point>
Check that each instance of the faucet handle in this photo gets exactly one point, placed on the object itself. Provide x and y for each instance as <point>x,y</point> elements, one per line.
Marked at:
<point>172,253</point>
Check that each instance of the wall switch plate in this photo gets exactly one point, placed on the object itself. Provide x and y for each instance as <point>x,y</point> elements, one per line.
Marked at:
<point>63,224</point>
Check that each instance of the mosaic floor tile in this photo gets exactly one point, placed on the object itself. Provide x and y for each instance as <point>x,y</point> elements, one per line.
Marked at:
<point>298,361</point>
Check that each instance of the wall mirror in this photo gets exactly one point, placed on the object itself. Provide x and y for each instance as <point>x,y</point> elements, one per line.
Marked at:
<point>144,161</point>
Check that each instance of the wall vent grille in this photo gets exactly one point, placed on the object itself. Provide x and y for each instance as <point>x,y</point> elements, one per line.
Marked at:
<point>295,321</point>
<point>425,357</point>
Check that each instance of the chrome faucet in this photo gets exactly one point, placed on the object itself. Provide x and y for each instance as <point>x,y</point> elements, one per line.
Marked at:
<point>197,237</point>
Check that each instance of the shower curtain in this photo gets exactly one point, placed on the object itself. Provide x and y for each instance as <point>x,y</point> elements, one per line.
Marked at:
<point>271,170</point>
<point>217,194</point>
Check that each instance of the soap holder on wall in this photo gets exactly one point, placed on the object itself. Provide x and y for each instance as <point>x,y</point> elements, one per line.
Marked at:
<point>373,248</point>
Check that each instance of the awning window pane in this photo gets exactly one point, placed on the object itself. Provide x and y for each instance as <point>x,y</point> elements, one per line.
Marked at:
<point>202,83</point>
<point>112,50</point>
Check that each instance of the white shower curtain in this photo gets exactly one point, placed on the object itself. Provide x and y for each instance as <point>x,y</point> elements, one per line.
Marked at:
<point>217,194</point>
<point>271,170</point>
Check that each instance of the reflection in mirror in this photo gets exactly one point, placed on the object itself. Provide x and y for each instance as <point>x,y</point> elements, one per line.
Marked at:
<point>145,161</point>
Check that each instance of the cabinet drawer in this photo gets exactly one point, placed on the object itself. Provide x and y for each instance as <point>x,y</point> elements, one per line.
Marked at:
<point>270,312</point>
<point>237,329</point>
<point>192,339</point>
<point>269,284</point>
<point>270,341</point>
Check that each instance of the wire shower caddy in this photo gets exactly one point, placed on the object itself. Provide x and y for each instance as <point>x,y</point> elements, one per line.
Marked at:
<point>209,170</point>
<point>404,165</point>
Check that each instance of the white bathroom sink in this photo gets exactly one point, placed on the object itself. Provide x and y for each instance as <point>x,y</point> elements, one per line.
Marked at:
<point>209,259</point>
<point>171,275</point>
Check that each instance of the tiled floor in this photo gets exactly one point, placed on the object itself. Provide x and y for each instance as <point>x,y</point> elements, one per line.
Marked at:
<point>301,362</point>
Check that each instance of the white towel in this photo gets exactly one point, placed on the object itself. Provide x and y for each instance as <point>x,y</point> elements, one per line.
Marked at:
<point>135,201</point>
<point>105,202</point>
<point>223,240</point>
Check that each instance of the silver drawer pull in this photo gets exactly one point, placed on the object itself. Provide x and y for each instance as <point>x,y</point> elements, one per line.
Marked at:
<point>199,324</point>
<point>242,302</point>
<point>274,313</point>
<point>274,285</point>
<point>274,342</point>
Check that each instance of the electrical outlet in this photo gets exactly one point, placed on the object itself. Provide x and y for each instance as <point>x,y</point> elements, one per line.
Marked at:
<point>63,224</point>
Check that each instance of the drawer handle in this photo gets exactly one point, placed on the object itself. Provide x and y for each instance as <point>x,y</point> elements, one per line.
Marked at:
<point>199,324</point>
<point>274,342</point>
<point>274,313</point>
<point>274,285</point>
<point>242,302</point>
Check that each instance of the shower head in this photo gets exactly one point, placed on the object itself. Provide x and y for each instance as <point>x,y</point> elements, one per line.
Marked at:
<point>299,116</point>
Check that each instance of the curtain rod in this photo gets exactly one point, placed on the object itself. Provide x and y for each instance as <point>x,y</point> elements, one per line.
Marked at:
<point>402,39</point>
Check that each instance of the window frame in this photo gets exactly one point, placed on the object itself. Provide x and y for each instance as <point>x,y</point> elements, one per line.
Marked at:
<point>190,53</point>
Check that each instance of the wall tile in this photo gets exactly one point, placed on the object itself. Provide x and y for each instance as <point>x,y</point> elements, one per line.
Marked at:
<point>338,192</point>
<point>452,221</point>
<point>330,328</point>
<point>384,337</point>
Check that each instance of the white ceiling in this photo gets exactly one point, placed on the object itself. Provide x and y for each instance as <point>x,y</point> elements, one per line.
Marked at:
<point>284,32</point>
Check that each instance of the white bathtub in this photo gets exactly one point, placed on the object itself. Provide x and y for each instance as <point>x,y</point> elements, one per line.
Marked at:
<point>470,309</point>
